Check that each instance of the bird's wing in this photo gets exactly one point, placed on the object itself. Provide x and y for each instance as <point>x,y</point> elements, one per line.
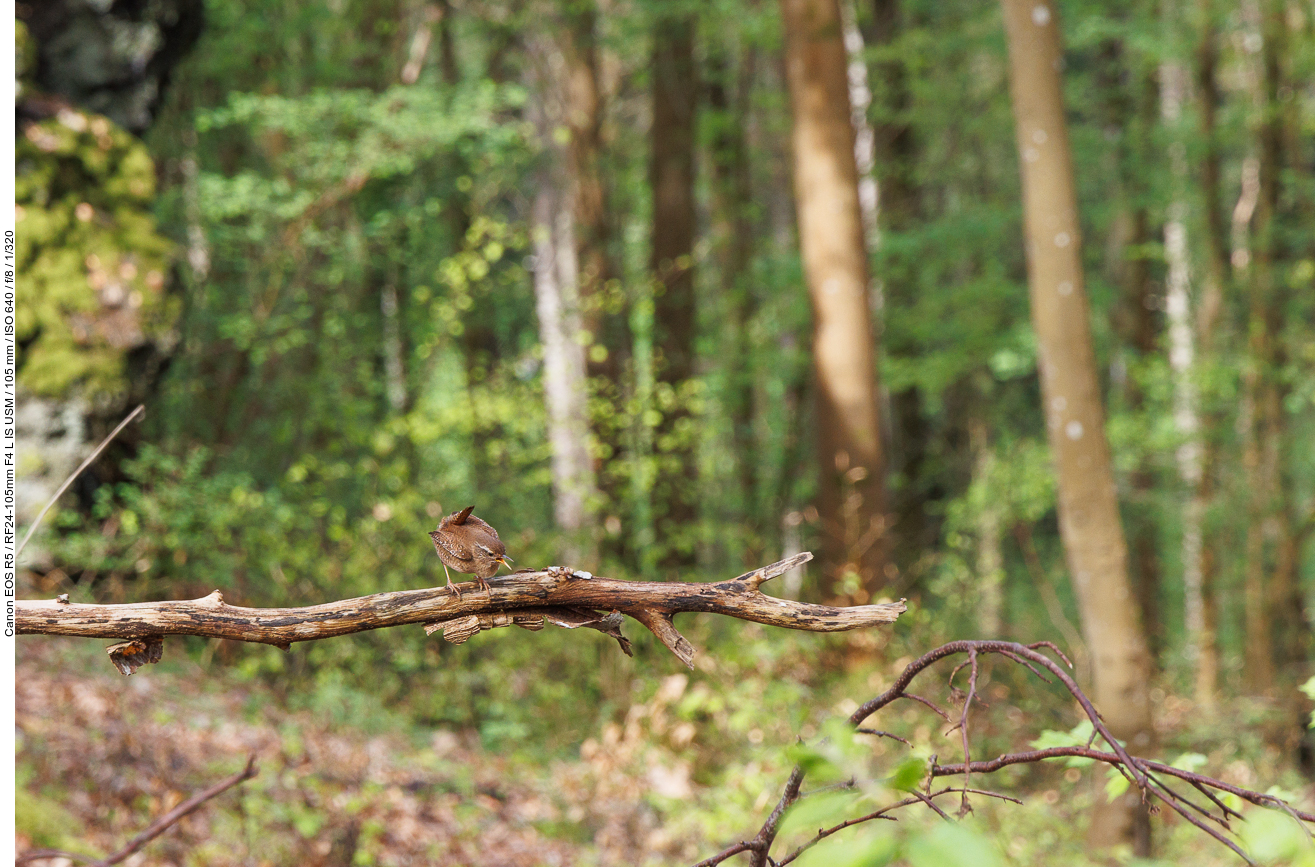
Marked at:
<point>481,524</point>
<point>453,547</point>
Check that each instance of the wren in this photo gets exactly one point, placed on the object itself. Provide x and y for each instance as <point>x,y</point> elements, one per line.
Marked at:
<point>467,544</point>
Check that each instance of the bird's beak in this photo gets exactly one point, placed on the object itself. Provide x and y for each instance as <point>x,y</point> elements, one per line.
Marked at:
<point>505,561</point>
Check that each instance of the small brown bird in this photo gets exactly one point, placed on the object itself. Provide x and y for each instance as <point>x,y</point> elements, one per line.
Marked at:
<point>469,545</point>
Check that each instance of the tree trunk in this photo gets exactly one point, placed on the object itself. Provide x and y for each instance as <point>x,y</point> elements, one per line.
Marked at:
<point>557,305</point>
<point>733,232</point>
<point>895,152</point>
<point>989,579</point>
<point>1202,640</point>
<point>1089,514</point>
<point>851,501</point>
<point>1264,392</point>
<point>603,309</point>
<point>1182,363</point>
<point>671,262</point>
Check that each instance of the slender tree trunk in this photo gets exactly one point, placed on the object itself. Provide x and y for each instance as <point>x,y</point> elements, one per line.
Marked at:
<point>603,307</point>
<point>1263,452</point>
<point>860,99</point>
<point>733,232</point>
<point>671,262</point>
<point>990,574</point>
<point>557,305</point>
<point>394,366</point>
<point>1203,642</point>
<point>1182,360</point>
<point>584,120</point>
<point>851,502</point>
<point>1089,514</point>
<point>894,156</point>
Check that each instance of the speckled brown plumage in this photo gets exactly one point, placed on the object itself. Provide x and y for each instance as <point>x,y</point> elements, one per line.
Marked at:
<point>468,544</point>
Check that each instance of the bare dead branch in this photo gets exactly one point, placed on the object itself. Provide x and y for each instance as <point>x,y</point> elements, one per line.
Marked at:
<point>153,830</point>
<point>1143,773</point>
<point>528,599</point>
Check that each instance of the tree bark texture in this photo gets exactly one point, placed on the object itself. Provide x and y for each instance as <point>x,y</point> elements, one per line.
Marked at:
<point>1088,510</point>
<point>851,501</point>
<point>671,263</point>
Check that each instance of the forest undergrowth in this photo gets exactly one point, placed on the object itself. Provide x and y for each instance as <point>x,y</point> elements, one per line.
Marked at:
<point>692,764</point>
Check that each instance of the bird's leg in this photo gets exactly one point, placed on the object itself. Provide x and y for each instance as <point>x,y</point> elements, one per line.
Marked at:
<point>452,588</point>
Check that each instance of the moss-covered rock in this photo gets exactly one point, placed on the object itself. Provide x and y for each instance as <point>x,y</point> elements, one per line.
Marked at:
<point>92,264</point>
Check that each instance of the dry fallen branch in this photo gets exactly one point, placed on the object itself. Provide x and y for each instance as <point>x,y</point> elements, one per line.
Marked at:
<point>1212,818</point>
<point>556,595</point>
<point>153,830</point>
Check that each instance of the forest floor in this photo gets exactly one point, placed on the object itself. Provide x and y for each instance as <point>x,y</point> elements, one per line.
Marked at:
<point>100,756</point>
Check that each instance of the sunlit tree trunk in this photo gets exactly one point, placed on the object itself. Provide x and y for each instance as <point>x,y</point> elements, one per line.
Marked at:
<point>989,577</point>
<point>557,305</point>
<point>1182,359</point>
<point>851,502</point>
<point>860,100</point>
<point>671,263</point>
<point>1075,419</point>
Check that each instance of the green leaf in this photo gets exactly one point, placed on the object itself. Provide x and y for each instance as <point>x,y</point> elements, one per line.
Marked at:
<point>1115,784</point>
<point>1272,837</point>
<point>814,812</point>
<point>865,846</point>
<point>947,845</point>
<point>1078,736</point>
<point>909,775</point>
<point>1189,762</point>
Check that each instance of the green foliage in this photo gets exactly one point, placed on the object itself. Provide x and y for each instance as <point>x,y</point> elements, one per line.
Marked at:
<point>94,265</point>
<point>1274,838</point>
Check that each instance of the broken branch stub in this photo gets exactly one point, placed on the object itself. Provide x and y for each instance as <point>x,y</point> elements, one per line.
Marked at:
<point>564,597</point>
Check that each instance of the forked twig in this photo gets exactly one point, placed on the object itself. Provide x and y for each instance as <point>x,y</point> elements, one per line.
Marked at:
<point>1145,774</point>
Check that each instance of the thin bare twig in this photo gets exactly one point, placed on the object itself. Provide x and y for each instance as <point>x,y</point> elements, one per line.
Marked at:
<point>141,408</point>
<point>153,830</point>
<point>1145,774</point>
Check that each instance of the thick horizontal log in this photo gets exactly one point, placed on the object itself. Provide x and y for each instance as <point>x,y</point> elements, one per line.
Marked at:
<point>651,603</point>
